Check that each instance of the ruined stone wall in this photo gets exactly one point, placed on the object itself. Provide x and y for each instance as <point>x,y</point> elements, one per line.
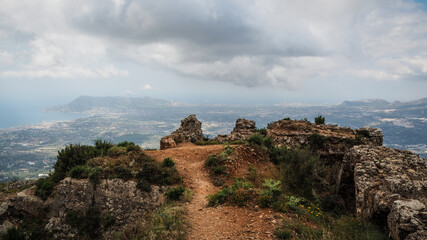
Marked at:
<point>390,185</point>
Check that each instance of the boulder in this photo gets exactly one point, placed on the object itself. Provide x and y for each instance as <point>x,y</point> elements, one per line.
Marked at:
<point>167,142</point>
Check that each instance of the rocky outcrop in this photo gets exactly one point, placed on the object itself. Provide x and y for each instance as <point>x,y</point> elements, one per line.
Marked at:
<point>189,131</point>
<point>118,199</point>
<point>330,141</point>
<point>242,131</point>
<point>388,184</point>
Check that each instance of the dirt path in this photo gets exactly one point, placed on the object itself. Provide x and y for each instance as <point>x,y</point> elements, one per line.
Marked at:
<point>223,222</point>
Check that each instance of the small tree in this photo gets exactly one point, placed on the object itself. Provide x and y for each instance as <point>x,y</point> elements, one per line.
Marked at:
<point>319,120</point>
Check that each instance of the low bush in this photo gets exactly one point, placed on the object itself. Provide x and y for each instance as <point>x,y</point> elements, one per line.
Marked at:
<point>317,141</point>
<point>256,139</point>
<point>44,188</point>
<point>238,193</point>
<point>269,195</point>
<point>116,151</point>
<point>298,169</point>
<point>153,173</point>
<point>122,172</point>
<point>79,171</point>
<point>168,162</point>
<point>175,193</point>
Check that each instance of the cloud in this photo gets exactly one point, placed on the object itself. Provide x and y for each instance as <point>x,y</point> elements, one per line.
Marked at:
<point>248,43</point>
<point>147,87</point>
<point>5,57</point>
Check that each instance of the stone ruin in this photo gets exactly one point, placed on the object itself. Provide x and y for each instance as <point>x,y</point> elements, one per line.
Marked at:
<point>189,131</point>
<point>337,140</point>
<point>242,131</point>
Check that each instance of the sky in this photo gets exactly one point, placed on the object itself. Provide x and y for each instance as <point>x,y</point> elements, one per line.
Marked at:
<point>213,51</point>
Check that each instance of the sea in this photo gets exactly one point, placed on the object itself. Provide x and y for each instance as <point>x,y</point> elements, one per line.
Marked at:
<point>16,115</point>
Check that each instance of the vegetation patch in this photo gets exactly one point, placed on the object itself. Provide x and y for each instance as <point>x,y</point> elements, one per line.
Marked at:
<point>216,164</point>
<point>238,193</point>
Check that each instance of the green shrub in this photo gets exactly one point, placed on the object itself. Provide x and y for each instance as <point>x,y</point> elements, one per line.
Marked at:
<point>129,146</point>
<point>298,170</point>
<point>261,140</point>
<point>262,131</point>
<point>319,120</point>
<point>238,193</point>
<point>317,141</point>
<point>70,156</point>
<point>102,146</point>
<point>219,170</point>
<point>79,171</point>
<point>270,193</point>
<point>168,162</point>
<point>122,172</point>
<point>44,188</point>
<point>116,151</point>
<point>256,139</point>
<point>13,234</point>
<point>153,173</point>
<point>175,193</point>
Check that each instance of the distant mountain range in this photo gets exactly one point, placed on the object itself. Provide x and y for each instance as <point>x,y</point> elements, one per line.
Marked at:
<point>86,104</point>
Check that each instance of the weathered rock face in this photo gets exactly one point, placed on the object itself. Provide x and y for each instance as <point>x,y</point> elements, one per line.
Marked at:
<point>116,198</point>
<point>383,176</point>
<point>242,131</point>
<point>408,220</point>
<point>335,142</point>
<point>189,131</point>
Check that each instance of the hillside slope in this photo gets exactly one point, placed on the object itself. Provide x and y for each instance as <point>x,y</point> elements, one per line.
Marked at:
<point>224,222</point>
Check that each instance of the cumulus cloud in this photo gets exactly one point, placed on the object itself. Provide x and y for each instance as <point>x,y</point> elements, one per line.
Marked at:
<point>248,43</point>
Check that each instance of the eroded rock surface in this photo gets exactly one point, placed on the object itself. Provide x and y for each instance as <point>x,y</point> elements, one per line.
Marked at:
<point>389,181</point>
<point>189,131</point>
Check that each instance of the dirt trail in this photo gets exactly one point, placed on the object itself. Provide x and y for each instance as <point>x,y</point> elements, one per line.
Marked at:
<point>223,222</point>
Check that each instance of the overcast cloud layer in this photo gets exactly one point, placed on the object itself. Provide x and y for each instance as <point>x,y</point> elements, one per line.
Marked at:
<point>248,43</point>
